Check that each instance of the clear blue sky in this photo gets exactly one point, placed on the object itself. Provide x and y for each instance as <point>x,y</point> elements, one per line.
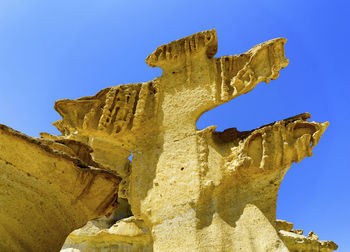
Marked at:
<point>51,50</point>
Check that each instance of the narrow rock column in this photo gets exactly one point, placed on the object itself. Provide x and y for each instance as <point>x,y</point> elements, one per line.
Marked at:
<point>192,83</point>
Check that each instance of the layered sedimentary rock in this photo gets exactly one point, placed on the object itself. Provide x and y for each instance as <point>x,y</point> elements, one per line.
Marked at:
<point>185,189</point>
<point>47,190</point>
<point>195,190</point>
<point>129,234</point>
<point>296,241</point>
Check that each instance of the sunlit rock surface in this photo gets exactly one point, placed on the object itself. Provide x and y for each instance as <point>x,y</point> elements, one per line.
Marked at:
<point>47,189</point>
<point>196,190</point>
<point>188,189</point>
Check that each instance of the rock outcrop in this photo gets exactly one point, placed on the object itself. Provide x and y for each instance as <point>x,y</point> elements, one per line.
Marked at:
<point>186,189</point>
<point>296,241</point>
<point>48,189</point>
<point>198,190</point>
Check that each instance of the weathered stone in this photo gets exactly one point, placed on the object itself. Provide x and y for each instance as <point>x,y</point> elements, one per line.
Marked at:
<point>129,234</point>
<point>188,189</point>
<point>300,243</point>
<point>312,235</point>
<point>196,190</point>
<point>47,190</point>
<point>284,225</point>
<point>297,231</point>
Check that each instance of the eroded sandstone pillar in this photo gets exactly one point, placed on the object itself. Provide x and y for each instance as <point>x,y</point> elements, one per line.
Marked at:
<point>196,190</point>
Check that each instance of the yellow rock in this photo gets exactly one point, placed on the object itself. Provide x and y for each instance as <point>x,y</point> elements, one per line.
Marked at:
<point>48,189</point>
<point>284,225</point>
<point>196,190</point>
<point>297,242</point>
<point>129,234</point>
<point>189,189</point>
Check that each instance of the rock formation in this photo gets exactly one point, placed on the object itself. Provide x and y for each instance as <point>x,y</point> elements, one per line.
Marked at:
<point>187,189</point>
<point>48,188</point>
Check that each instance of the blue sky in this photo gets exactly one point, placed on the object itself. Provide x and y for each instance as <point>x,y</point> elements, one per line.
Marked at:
<point>51,50</point>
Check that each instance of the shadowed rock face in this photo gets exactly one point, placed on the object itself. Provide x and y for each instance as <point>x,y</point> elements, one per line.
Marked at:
<point>47,190</point>
<point>188,189</point>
